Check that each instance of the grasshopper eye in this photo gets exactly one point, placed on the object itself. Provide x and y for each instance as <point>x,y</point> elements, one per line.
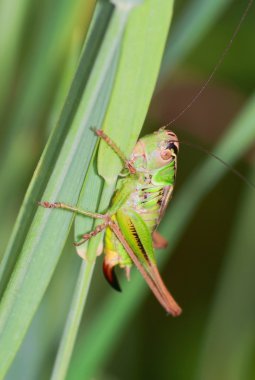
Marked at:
<point>166,154</point>
<point>173,147</point>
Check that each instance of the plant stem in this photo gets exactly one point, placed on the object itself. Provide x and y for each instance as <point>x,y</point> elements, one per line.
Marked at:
<point>73,321</point>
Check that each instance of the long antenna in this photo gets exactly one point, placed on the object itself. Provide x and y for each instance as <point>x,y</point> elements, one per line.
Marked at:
<point>228,166</point>
<point>221,59</point>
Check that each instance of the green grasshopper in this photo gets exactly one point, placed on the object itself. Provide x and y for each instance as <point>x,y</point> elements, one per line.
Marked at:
<point>136,210</point>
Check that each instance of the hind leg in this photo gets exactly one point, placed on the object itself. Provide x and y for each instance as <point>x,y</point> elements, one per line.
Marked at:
<point>159,241</point>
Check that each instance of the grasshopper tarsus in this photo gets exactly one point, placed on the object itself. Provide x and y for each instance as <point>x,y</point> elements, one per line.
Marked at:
<point>47,204</point>
<point>79,243</point>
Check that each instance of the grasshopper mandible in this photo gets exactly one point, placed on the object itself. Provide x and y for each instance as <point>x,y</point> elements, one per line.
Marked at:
<point>136,210</point>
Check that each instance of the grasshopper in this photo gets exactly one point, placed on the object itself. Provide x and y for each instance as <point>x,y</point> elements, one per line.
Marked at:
<point>137,207</point>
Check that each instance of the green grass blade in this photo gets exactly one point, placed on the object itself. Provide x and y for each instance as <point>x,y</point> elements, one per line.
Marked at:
<point>45,238</point>
<point>73,321</point>
<point>83,283</point>
<point>230,336</point>
<point>65,81</point>
<point>117,311</point>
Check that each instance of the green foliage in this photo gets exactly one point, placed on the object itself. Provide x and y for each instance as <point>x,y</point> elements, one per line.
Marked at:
<point>88,64</point>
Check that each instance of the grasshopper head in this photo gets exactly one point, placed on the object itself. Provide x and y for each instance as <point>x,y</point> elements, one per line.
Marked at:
<point>156,150</point>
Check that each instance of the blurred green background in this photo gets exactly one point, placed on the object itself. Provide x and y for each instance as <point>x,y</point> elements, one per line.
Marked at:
<point>212,269</point>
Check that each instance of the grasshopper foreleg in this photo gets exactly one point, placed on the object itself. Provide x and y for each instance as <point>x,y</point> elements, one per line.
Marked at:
<point>127,163</point>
